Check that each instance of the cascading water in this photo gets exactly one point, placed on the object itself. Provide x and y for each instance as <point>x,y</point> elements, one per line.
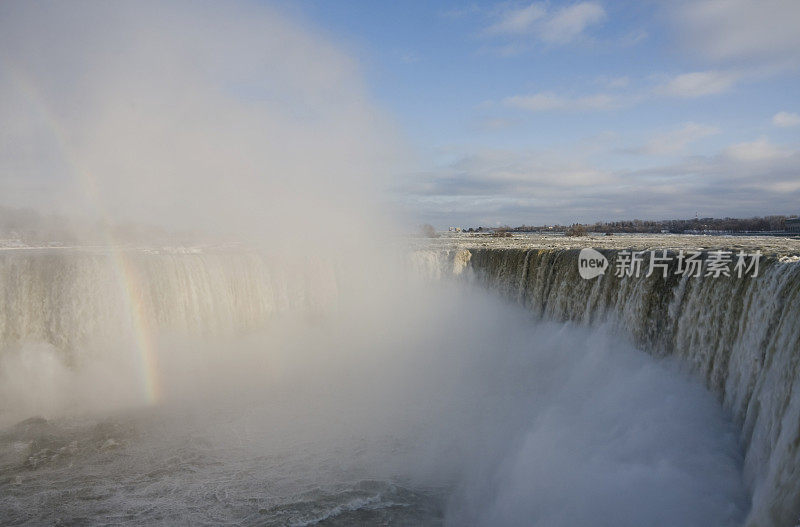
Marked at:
<point>742,335</point>
<point>65,298</point>
<point>300,394</point>
<point>77,308</point>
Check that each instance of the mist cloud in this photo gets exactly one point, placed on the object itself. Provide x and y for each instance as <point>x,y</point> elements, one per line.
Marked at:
<point>231,119</point>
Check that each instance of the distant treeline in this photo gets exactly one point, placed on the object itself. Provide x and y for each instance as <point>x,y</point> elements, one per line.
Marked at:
<point>694,225</point>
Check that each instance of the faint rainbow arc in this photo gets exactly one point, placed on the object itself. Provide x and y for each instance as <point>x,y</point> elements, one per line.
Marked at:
<point>127,277</point>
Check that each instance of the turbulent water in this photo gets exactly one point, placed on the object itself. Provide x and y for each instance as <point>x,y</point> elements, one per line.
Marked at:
<point>742,335</point>
<point>275,395</point>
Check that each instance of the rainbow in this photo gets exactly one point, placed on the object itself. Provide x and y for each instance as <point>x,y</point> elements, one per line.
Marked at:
<point>126,274</point>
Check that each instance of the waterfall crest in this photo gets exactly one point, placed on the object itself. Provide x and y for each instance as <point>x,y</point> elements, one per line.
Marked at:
<point>65,298</point>
<point>742,335</point>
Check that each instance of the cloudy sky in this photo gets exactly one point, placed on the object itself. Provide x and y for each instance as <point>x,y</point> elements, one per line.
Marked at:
<point>543,112</point>
<point>489,113</point>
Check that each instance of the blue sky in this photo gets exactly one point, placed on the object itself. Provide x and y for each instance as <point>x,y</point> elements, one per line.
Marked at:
<point>543,112</point>
<point>465,114</point>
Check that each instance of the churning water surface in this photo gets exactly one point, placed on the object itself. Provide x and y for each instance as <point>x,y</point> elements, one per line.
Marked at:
<point>462,411</point>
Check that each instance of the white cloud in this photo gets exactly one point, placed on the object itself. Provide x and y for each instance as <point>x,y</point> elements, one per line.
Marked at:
<point>559,26</point>
<point>758,150</point>
<point>565,185</point>
<point>546,101</point>
<point>686,85</point>
<point>497,123</point>
<point>740,29</point>
<point>462,11</point>
<point>517,21</point>
<point>406,57</point>
<point>699,83</point>
<point>676,141</point>
<point>616,82</point>
<point>570,22</point>
<point>786,119</point>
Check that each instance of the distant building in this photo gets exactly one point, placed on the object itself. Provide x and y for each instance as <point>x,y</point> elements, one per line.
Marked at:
<point>793,225</point>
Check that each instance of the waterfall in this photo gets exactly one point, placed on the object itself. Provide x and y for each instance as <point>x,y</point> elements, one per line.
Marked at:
<point>742,335</point>
<point>65,298</point>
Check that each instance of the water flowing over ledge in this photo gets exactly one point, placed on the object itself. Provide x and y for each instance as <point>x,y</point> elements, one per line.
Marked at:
<point>76,308</point>
<point>65,298</point>
<point>742,335</point>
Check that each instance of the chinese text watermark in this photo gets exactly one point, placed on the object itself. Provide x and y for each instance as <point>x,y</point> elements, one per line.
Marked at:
<point>592,263</point>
